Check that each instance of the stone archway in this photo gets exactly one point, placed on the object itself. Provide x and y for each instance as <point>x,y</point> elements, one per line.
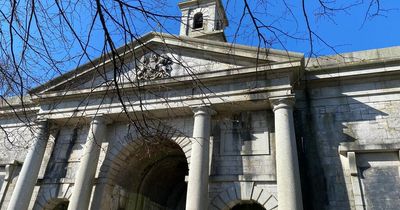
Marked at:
<point>151,174</point>
<point>52,197</point>
<point>244,193</point>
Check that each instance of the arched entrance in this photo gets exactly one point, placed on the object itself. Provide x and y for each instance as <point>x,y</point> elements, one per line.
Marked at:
<point>153,177</point>
<point>248,206</point>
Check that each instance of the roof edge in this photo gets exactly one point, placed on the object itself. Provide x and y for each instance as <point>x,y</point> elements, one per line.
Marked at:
<point>364,57</point>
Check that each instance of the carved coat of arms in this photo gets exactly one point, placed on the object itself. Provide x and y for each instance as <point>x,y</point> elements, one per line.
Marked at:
<point>155,66</point>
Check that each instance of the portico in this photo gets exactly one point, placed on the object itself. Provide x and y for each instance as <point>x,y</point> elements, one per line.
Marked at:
<point>217,137</point>
<point>198,120</point>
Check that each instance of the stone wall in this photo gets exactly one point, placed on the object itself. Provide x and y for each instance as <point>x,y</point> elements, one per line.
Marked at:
<point>66,153</point>
<point>242,145</point>
<point>362,111</point>
<point>380,180</point>
<point>243,161</point>
<point>15,137</point>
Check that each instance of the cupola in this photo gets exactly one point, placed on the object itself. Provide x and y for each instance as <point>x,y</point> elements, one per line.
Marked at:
<point>204,19</point>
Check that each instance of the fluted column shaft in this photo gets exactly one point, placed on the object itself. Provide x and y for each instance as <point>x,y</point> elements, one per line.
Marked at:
<point>287,166</point>
<point>84,179</point>
<point>197,193</point>
<point>27,178</point>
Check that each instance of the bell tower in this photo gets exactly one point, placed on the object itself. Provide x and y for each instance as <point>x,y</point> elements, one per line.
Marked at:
<point>205,19</point>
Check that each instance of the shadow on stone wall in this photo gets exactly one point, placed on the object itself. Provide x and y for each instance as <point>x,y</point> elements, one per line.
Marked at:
<point>51,186</point>
<point>321,125</point>
<point>243,161</point>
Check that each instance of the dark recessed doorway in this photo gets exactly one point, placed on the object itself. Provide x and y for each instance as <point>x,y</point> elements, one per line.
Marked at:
<point>248,206</point>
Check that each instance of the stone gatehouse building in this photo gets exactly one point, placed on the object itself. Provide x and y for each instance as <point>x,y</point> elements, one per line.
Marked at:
<point>207,124</point>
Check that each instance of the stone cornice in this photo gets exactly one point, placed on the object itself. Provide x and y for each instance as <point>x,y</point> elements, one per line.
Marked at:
<point>369,64</point>
<point>346,147</point>
<point>346,60</point>
<point>354,71</point>
<point>222,75</point>
<point>236,99</point>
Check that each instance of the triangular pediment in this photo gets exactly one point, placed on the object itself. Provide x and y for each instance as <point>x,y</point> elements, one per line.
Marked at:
<point>158,56</point>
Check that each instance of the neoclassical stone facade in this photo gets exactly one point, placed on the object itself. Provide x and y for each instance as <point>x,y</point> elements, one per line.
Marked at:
<point>198,123</point>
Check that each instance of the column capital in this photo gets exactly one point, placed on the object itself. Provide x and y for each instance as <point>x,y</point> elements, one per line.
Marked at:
<point>9,170</point>
<point>100,118</point>
<point>202,110</point>
<point>42,122</point>
<point>282,102</point>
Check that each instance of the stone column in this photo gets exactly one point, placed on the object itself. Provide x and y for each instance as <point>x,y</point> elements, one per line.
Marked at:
<point>84,179</point>
<point>287,166</point>
<point>197,192</point>
<point>27,178</point>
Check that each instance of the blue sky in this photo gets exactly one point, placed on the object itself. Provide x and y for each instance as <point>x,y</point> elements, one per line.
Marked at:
<point>346,31</point>
<point>342,31</point>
